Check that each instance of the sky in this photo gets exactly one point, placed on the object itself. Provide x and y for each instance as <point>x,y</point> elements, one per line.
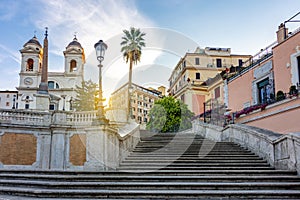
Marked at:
<point>172,27</point>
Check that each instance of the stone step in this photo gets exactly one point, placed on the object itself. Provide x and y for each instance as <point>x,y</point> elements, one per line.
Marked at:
<point>201,154</point>
<point>194,147</point>
<point>190,158</point>
<point>161,178</point>
<point>161,194</point>
<point>204,164</point>
<point>210,171</point>
<point>145,185</point>
<point>192,168</point>
<point>195,160</point>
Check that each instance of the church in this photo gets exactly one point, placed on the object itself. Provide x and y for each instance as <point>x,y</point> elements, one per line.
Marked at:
<point>60,86</point>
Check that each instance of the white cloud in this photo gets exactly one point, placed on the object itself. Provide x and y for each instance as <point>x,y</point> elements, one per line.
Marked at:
<point>91,19</point>
<point>10,53</point>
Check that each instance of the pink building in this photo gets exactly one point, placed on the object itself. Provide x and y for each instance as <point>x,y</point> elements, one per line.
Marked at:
<point>260,94</point>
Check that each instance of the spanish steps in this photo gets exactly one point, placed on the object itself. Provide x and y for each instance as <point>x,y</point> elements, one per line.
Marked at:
<point>163,166</point>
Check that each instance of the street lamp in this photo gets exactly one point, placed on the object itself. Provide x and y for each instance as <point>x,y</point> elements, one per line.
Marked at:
<point>100,48</point>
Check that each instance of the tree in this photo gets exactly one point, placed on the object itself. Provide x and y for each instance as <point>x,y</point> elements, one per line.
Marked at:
<point>169,115</point>
<point>132,43</point>
<point>86,96</point>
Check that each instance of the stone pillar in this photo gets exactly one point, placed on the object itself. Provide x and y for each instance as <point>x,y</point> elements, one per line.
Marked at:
<point>58,149</point>
<point>95,148</point>
<point>44,150</point>
<point>42,102</point>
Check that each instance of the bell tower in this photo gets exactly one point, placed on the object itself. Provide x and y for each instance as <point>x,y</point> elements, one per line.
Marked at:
<point>74,58</point>
<point>31,63</point>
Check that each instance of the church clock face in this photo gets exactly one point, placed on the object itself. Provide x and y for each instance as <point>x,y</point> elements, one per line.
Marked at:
<point>28,81</point>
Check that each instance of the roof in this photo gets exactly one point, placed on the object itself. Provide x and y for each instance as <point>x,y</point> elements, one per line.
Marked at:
<point>34,40</point>
<point>74,43</point>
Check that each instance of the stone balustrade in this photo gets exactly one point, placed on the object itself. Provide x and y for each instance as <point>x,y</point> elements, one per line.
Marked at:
<point>61,140</point>
<point>281,150</point>
<point>21,117</point>
<point>81,118</point>
<point>28,117</point>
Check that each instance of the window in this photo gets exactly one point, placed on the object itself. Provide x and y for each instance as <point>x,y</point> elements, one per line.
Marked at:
<point>217,92</point>
<point>198,75</point>
<point>7,103</point>
<point>52,85</point>
<point>7,96</point>
<point>219,62</point>
<point>145,120</point>
<point>29,66</point>
<point>27,106</point>
<point>240,62</point>
<point>263,87</point>
<point>197,61</point>
<point>73,66</point>
<point>184,63</point>
<point>182,98</point>
<point>140,119</point>
<point>51,107</point>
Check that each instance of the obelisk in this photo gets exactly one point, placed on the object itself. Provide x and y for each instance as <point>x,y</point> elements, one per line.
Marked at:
<point>42,96</point>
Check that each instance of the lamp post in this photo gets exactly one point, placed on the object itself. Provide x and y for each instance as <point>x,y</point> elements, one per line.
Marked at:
<point>100,48</point>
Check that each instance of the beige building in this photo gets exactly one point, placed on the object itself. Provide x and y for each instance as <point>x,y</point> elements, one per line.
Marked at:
<point>142,101</point>
<point>187,81</point>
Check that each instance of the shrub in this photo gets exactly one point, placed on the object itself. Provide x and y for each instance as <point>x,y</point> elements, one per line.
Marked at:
<point>280,96</point>
<point>293,90</point>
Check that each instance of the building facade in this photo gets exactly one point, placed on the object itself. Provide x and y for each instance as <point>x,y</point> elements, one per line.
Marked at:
<point>187,81</point>
<point>142,101</point>
<point>61,85</point>
<point>261,95</point>
<point>8,99</point>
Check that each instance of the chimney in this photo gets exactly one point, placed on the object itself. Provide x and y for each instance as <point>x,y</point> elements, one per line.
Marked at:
<point>43,87</point>
<point>282,33</point>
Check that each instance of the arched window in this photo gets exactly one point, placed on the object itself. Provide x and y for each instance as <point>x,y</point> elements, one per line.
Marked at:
<point>29,66</point>
<point>73,66</point>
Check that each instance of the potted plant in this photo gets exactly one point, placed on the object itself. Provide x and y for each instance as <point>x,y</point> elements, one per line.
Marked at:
<point>280,96</point>
<point>293,91</point>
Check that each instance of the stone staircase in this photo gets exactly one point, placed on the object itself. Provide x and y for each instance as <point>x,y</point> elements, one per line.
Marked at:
<point>164,166</point>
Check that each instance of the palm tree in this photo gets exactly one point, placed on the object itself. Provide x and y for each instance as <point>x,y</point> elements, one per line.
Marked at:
<point>132,44</point>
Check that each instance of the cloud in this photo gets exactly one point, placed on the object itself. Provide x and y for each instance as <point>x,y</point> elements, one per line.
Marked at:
<point>10,53</point>
<point>91,20</point>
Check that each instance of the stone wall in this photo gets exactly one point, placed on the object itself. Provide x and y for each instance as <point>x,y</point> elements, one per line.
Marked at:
<point>281,150</point>
<point>63,141</point>
<point>17,149</point>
